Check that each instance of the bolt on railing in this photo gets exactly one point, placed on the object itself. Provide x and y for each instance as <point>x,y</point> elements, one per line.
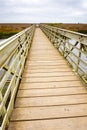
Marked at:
<point>13,53</point>
<point>72,45</point>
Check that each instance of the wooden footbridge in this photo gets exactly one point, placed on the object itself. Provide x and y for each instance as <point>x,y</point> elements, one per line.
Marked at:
<point>43,87</point>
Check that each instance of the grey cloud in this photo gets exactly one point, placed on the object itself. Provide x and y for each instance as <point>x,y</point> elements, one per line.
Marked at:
<point>42,11</point>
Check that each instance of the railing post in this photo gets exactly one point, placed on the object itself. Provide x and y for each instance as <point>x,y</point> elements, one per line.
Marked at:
<point>64,46</point>
<point>79,56</point>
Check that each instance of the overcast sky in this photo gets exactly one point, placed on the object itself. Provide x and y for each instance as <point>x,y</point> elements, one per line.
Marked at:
<point>37,11</point>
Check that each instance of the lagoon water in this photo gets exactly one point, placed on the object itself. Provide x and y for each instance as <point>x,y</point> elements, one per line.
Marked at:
<point>2,40</point>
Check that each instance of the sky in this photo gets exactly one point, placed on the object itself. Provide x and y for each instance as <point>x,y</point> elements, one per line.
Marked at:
<point>40,11</point>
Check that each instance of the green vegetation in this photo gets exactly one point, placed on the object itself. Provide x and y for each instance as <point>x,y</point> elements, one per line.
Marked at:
<point>81,28</point>
<point>83,31</point>
<point>4,35</point>
<point>7,30</point>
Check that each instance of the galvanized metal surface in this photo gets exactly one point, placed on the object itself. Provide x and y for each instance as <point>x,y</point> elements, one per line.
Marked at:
<point>13,53</point>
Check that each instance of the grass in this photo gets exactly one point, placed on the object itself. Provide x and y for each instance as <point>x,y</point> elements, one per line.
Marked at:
<point>81,28</point>
<point>7,30</point>
<point>83,31</point>
<point>4,35</point>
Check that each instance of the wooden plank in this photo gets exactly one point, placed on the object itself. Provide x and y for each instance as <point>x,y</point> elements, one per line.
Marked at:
<point>45,61</point>
<point>47,70</point>
<point>41,113</point>
<point>44,64</point>
<point>51,85</point>
<point>42,55</point>
<point>50,96</point>
<point>45,56</point>
<point>46,67</point>
<point>51,101</point>
<point>59,60</point>
<point>51,92</point>
<point>79,123</point>
<point>47,74</point>
<point>50,79</point>
<point>36,64</point>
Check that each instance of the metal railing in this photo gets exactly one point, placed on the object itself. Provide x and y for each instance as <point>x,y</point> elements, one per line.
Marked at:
<point>13,53</point>
<point>72,45</point>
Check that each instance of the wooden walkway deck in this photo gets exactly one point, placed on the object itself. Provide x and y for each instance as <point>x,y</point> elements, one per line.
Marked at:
<point>51,96</point>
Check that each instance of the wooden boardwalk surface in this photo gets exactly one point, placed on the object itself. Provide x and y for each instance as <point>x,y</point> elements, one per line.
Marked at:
<point>51,96</point>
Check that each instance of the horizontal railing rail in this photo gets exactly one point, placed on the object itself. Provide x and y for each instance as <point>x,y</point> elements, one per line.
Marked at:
<point>72,45</point>
<point>13,53</point>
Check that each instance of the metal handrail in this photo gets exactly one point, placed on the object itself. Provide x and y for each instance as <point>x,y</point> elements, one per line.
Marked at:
<point>13,53</point>
<point>72,45</point>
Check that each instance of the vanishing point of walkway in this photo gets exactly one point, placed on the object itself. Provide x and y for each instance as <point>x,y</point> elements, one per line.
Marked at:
<point>51,96</point>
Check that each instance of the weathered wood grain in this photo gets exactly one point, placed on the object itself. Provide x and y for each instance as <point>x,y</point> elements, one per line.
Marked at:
<point>51,96</point>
